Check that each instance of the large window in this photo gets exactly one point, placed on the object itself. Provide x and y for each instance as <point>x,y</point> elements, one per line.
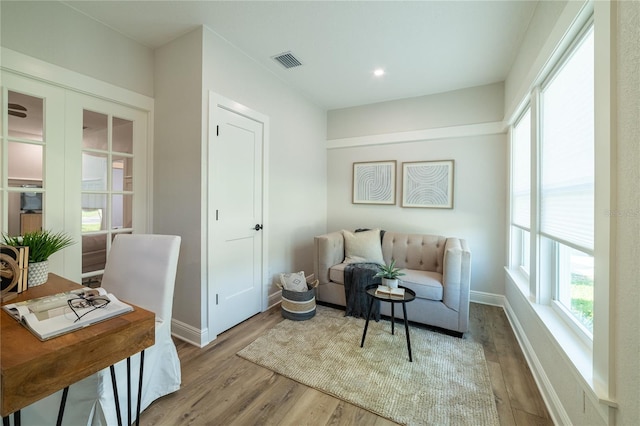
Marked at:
<point>521,192</point>
<point>562,175</point>
<point>567,179</point>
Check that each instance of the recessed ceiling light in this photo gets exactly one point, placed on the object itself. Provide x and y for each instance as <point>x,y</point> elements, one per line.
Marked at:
<point>379,72</point>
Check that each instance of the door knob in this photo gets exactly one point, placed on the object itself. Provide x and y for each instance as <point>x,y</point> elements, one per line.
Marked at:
<point>257,227</point>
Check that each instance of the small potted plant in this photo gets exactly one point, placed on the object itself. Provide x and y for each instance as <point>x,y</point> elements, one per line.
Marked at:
<point>42,244</point>
<point>389,274</point>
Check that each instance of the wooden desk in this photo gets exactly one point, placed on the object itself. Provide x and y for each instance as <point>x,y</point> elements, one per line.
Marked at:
<point>32,370</point>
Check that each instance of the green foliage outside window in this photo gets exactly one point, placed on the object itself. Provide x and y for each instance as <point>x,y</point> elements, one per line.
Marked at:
<point>582,299</point>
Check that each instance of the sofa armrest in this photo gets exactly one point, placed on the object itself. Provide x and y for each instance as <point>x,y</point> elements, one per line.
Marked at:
<point>328,251</point>
<point>456,276</point>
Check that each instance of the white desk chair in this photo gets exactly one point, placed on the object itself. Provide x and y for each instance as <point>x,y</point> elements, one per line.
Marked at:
<point>140,269</point>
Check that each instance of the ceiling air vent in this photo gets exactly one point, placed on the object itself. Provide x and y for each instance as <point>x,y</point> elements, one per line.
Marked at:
<point>287,60</point>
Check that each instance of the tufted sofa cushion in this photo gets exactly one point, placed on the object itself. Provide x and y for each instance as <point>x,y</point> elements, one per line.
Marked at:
<point>413,251</point>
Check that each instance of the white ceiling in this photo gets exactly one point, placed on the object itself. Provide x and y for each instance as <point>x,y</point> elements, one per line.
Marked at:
<point>424,46</point>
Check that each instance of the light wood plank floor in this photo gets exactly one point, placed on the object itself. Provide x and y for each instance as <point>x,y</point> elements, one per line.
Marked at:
<point>220,388</point>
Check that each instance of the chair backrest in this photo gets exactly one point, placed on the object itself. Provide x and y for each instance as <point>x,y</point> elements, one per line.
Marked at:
<point>141,269</point>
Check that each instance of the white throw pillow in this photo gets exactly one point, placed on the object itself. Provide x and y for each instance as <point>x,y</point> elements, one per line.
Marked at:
<point>362,246</point>
<point>294,281</point>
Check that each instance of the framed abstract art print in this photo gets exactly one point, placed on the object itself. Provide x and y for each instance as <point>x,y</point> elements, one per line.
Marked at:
<point>428,184</point>
<point>374,182</point>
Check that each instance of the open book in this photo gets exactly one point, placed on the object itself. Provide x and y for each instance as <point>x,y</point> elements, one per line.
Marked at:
<point>61,313</point>
<point>383,290</point>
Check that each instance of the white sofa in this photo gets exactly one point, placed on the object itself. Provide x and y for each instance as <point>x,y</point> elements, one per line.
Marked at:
<point>436,268</point>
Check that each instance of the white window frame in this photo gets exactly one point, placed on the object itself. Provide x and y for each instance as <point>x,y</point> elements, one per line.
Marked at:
<point>559,268</point>
<point>520,253</point>
<point>552,288</point>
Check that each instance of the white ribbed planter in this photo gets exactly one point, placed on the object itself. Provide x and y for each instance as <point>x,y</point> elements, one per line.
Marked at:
<point>390,283</point>
<point>38,273</point>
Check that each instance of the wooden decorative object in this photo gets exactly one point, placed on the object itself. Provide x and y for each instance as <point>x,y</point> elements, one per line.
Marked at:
<point>9,273</point>
<point>14,263</point>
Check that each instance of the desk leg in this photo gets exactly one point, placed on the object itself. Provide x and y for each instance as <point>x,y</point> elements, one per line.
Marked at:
<point>63,402</point>
<point>128,390</point>
<point>140,387</point>
<point>366,325</point>
<point>406,329</point>
<point>16,419</point>
<point>115,394</point>
<point>115,390</point>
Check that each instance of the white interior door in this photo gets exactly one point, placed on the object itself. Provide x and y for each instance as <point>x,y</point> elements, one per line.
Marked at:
<point>235,261</point>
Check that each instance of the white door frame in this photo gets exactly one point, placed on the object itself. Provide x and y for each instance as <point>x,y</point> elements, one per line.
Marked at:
<point>216,100</point>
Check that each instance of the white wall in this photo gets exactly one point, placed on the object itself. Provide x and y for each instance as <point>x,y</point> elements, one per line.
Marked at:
<point>57,34</point>
<point>297,158</point>
<point>479,104</point>
<point>627,268</point>
<point>479,179</point>
<point>533,53</point>
<point>177,157</point>
<point>186,70</point>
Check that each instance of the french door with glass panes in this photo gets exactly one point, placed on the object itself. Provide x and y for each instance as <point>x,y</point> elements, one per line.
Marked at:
<point>111,198</point>
<point>71,162</point>
<point>32,179</point>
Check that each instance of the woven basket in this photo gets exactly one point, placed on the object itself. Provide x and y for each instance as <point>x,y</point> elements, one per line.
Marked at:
<point>299,305</point>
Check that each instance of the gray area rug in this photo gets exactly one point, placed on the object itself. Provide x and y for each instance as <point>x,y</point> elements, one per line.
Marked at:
<point>446,384</point>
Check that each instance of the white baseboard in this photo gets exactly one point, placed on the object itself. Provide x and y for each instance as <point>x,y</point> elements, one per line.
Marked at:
<point>274,299</point>
<point>189,333</point>
<point>200,338</point>
<point>487,298</point>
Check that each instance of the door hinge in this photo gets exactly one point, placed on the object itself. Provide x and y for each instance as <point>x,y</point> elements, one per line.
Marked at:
<point>216,214</point>
<point>217,130</point>
<point>216,298</point>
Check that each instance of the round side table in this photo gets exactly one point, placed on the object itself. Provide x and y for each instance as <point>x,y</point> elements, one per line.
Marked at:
<point>409,296</point>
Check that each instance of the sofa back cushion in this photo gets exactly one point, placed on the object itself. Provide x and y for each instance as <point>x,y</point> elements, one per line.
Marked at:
<point>414,251</point>
<point>362,246</point>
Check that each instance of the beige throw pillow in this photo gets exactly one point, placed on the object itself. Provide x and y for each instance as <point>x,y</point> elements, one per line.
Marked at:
<point>294,281</point>
<point>362,246</point>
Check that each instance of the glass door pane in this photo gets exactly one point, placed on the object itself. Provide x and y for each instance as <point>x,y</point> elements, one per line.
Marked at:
<point>25,157</point>
<point>107,187</point>
<point>25,116</point>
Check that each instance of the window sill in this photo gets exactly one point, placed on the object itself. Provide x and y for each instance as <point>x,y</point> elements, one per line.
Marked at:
<point>569,344</point>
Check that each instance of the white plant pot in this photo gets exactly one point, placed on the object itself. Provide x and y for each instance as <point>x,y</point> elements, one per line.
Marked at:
<point>38,273</point>
<point>391,283</point>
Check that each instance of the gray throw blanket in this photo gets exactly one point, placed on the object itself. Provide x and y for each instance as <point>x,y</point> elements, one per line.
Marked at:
<point>357,276</point>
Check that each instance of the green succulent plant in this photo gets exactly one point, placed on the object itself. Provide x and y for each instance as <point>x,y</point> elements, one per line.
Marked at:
<point>389,271</point>
<point>42,244</point>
